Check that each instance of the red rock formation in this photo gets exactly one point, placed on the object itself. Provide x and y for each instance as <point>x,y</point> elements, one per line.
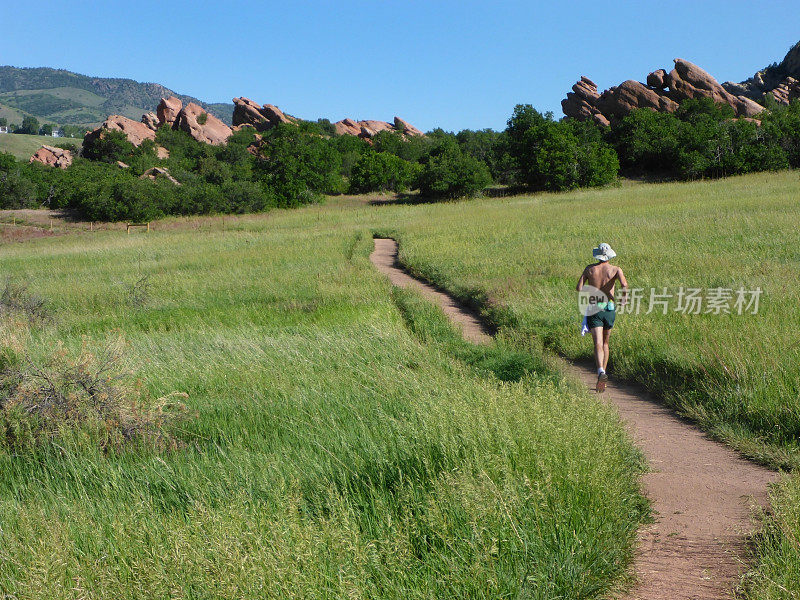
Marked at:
<point>786,91</point>
<point>581,102</point>
<point>663,92</point>
<point>274,115</point>
<point>657,79</point>
<point>616,102</point>
<point>368,129</point>
<point>202,126</point>
<point>135,131</point>
<point>151,120</point>
<point>347,127</point>
<point>168,110</point>
<point>247,112</point>
<point>53,157</point>
<point>156,172</point>
<point>405,128</point>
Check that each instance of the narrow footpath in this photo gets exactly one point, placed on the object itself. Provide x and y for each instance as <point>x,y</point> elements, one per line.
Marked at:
<point>701,491</point>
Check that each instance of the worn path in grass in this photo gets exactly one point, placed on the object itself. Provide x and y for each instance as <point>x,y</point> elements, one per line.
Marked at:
<point>702,493</point>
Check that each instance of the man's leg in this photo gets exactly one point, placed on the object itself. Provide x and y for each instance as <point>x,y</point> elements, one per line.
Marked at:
<point>606,350</point>
<point>597,337</point>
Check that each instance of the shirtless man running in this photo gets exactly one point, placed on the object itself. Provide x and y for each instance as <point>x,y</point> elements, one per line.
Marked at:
<point>604,277</point>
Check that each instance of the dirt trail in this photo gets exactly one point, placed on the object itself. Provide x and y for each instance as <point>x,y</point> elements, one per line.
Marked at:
<point>701,491</point>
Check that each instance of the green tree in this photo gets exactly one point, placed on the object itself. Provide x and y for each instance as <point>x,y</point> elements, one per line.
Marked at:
<point>551,155</point>
<point>299,166</point>
<point>449,173</point>
<point>46,129</point>
<point>108,147</point>
<point>381,171</point>
<point>30,126</point>
<point>16,190</point>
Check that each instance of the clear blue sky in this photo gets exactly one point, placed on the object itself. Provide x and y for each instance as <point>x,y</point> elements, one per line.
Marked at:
<point>450,63</point>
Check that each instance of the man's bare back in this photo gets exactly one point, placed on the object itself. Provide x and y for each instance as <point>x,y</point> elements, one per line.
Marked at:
<point>604,277</point>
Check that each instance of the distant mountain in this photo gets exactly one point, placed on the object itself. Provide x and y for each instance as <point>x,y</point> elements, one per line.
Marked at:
<point>67,98</point>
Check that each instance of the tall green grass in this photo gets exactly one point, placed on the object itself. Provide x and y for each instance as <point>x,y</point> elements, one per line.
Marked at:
<point>346,445</point>
<point>738,376</point>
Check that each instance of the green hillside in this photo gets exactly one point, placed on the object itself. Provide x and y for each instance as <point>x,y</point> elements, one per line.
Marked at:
<point>23,146</point>
<point>66,98</point>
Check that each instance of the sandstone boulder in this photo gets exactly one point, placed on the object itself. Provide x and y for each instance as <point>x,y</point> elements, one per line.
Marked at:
<point>274,115</point>
<point>663,92</point>
<point>581,102</point>
<point>151,120</point>
<point>657,79</point>
<point>786,91</point>
<point>617,102</point>
<point>157,172</point>
<point>52,157</point>
<point>135,131</point>
<point>405,128</point>
<point>162,153</point>
<point>202,126</point>
<point>347,127</point>
<point>168,110</point>
<point>369,128</point>
<point>247,112</point>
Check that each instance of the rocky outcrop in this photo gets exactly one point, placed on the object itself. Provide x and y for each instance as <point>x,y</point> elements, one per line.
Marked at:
<point>202,126</point>
<point>53,157</point>
<point>168,110</point>
<point>406,128</point>
<point>347,127</point>
<point>617,102</point>
<point>581,102</point>
<point>135,131</point>
<point>786,91</point>
<point>157,172</point>
<point>769,80</point>
<point>249,113</point>
<point>151,120</point>
<point>274,115</point>
<point>368,129</point>
<point>162,153</point>
<point>687,81</point>
<point>663,92</point>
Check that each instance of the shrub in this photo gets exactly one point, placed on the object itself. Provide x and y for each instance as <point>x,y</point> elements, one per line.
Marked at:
<point>90,398</point>
<point>381,171</point>
<point>555,156</point>
<point>16,189</point>
<point>449,173</point>
<point>30,126</point>
<point>108,147</point>
<point>246,196</point>
<point>298,167</point>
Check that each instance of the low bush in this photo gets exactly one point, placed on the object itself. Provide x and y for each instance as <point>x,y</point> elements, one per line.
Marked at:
<point>558,155</point>
<point>382,172</point>
<point>89,398</point>
<point>449,173</point>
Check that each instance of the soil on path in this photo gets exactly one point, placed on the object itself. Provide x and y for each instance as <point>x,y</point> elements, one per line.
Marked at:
<point>702,493</point>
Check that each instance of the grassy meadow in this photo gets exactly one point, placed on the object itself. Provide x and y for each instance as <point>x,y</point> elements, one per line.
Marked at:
<point>346,443</point>
<point>738,376</point>
<point>23,146</point>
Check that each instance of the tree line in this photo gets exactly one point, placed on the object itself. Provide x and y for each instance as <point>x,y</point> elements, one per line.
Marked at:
<point>296,164</point>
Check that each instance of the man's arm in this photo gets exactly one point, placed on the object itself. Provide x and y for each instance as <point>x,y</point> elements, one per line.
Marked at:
<point>581,281</point>
<point>624,283</point>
